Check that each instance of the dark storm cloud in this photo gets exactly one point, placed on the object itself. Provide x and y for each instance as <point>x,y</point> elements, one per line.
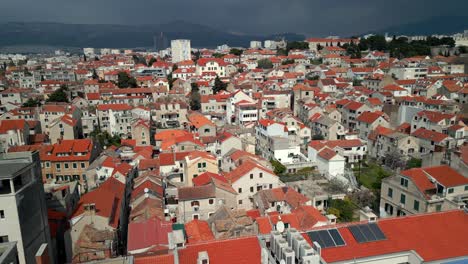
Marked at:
<point>311,17</point>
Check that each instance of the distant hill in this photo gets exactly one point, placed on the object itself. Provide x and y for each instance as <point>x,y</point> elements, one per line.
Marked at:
<point>120,36</point>
<point>436,25</point>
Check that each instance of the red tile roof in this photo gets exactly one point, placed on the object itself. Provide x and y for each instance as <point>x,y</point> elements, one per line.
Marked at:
<point>429,135</point>
<point>148,233</point>
<point>198,231</point>
<point>205,178</point>
<point>434,116</point>
<point>369,117</point>
<point>114,107</point>
<point>243,169</point>
<point>421,233</point>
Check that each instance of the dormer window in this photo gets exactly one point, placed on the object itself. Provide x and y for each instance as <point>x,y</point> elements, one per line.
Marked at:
<point>404,182</point>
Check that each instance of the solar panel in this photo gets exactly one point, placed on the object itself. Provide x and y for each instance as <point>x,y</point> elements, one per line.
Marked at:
<point>367,232</point>
<point>377,232</point>
<point>357,234</point>
<point>327,238</point>
<point>336,237</point>
<point>314,236</point>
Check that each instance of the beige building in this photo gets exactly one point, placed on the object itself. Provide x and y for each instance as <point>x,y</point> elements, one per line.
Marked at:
<point>423,190</point>
<point>200,202</point>
<point>196,163</point>
<point>141,132</point>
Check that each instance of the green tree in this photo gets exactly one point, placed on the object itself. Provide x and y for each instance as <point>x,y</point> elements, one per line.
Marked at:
<point>318,137</point>
<point>357,82</point>
<point>151,61</point>
<point>195,100</point>
<point>218,55</point>
<point>300,45</point>
<point>264,64</point>
<point>343,209</point>
<point>32,102</point>
<point>281,52</point>
<point>236,52</point>
<point>413,163</point>
<point>95,76</point>
<point>124,80</point>
<point>463,49</point>
<point>60,95</point>
<point>286,62</point>
<point>139,60</point>
<point>278,167</point>
<point>352,50</point>
<point>219,85</point>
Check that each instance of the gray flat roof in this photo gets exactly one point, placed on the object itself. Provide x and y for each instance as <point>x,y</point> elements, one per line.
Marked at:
<point>7,170</point>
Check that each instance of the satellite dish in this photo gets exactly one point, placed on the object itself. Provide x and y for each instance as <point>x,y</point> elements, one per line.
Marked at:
<point>146,190</point>
<point>280,226</point>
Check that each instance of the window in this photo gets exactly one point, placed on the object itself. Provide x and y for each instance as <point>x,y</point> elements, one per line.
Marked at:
<point>65,165</point>
<point>251,176</point>
<point>75,165</point>
<point>450,190</point>
<point>211,201</point>
<point>2,214</point>
<point>239,202</point>
<point>390,192</point>
<point>404,182</point>
<point>403,199</point>
<point>438,207</point>
<point>466,187</point>
<point>195,203</point>
<point>195,217</point>
<point>251,189</point>
<point>271,186</point>
<point>47,164</point>
<point>416,205</point>
<point>3,239</point>
<point>57,166</point>
<point>83,165</point>
<point>5,187</point>
<point>261,175</point>
<point>239,190</point>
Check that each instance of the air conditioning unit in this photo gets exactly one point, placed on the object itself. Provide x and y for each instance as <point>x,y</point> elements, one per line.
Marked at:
<point>311,259</point>
<point>291,235</point>
<point>297,242</point>
<point>279,245</point>
<point>306,250</point>
<point>288,255</point>
<point>274,236</point>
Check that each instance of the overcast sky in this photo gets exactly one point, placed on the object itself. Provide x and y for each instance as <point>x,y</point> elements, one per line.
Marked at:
<point>309,17</point>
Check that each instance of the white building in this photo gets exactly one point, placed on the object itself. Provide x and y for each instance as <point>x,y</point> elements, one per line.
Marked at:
<point>181,50</point>
<point>89,52</point>
<point>23,210</point>
<point>254,44</point>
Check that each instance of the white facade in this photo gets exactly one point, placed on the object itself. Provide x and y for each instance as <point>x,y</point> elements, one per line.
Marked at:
<point>246,187</point>
<point>333,167</point>
<point>254,44</point>
<point>181,50</point>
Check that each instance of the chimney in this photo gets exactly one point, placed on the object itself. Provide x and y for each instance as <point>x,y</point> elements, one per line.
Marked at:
<point>367,214</point>
<point>203,258</point>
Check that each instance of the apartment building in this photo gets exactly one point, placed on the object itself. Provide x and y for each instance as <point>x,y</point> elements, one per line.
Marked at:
<point>423,190</point>
<point>23,209</point>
